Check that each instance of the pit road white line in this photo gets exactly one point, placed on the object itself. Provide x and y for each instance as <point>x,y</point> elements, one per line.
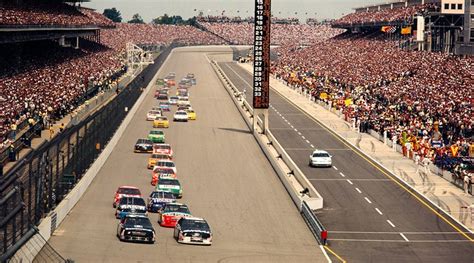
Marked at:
<point>378,211</point>
<point>390,223</point>
<point>404,237</point>
<point>368,200</point>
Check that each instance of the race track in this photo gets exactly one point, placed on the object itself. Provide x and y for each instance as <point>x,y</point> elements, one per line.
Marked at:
<point>369,214</point>
<point>225,176</point>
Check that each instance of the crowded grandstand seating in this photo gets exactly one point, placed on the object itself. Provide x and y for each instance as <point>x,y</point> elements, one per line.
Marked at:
<point>402,14</point>
<point>242,33</point>
<point>422,99</point>
<point>156,34</point>
<point>43,14</point>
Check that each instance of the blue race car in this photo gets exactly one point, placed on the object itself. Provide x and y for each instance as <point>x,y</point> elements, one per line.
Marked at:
<point>158,199</point>
<point>165,106</point>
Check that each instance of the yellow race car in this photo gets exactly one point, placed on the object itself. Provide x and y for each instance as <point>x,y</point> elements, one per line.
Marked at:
<point>161,122</point>
<point>155,157</point>
<point>191,114</point>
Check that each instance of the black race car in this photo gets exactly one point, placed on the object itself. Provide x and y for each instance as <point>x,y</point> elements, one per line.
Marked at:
<point>136,228</point>
<point>143,146</point>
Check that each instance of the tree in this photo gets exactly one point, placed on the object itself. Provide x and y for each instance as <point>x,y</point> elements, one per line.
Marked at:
<point>136,19</point>
<point>113,14</point>
<point>168,20</point>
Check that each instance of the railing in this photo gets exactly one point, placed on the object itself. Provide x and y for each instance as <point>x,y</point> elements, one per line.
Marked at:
<point>317,228</point>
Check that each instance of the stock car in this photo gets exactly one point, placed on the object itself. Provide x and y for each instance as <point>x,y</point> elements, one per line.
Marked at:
<point>162,148</point>
<point>143,146</point>
<point>161,122</point>
<point>172,185</point>
<point>173,100</point>
<point>165,106</point>
<point>162,173</point>
<point>130,205</point>
<point>171,213</point>
<point>180,115</point>
<point>125,191</point>
<point>158,199</point>
<point>156,136</point>
<point>161,94</point>
<point>320,158</point>
<point>191,114</point>
<point>166,164</point>
<point>155,157</point>
<point>153,114</point>
<point>193,230</point>
<point>182,93</point>
<point>183,101</point>
<point>136,228</point>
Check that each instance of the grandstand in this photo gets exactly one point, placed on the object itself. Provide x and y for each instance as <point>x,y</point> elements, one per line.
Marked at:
<point>432,25</point>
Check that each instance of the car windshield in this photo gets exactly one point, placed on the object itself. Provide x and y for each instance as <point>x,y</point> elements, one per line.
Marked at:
<point>165,147</point>
<point>320,155</point>
<point>160,156</point>
<point>156,132</point>
<point>165,195</point>
<point>176,208</point>
<point>181,113</point>
<point>168,182</point>
<point>132,201</point>
<point>191,224</point>
<point>154,112</point>
<point>190,111</point>
<point>138,221</point>
<point>128,191</point>
<point>163,170</point>
<point>161,118</point>
<point>165,164</point>
<point>143,141</point>
<point>173,98</point>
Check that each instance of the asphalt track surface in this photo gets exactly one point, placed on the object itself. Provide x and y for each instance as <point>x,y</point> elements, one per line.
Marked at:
<point>225,176</point>
<point>369,216</point>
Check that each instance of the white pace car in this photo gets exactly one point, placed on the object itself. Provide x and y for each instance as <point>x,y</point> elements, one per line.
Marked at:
<point>180,115</point>
<point>193,230</point>
<point>153,114</point>
<point>320,158</point>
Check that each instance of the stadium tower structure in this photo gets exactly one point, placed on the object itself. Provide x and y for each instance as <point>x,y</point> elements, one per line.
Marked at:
<point>431,25</point>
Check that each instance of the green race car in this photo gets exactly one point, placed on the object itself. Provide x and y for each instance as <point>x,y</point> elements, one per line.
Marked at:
<point>156,136</point>
<point>170,185</point>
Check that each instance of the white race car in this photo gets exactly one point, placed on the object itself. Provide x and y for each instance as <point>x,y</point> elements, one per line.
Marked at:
<point>320,158</point>
<point>193,230</point>
<point>153,114</point>
<point>165,164</point>
<point>173,100</point>
<point>180,115</point>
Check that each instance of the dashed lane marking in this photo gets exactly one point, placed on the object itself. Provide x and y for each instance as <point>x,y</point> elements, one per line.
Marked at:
<point>335,168</point>
<point>368,200</point>
<point>378,211</point>
<point>349,181</point>
<point>390,223</point>
<point>404,237</point>
<point>342,174</point>
<point>358,190</point>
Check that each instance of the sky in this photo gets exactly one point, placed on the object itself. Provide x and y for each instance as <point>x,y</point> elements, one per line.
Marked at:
<point>149,9</point>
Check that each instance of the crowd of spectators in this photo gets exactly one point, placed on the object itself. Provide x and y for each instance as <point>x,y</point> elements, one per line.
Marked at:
<point>30,13</point>
<point>423,101</point>
<point>50,80</point>
<point>397,14</point>
<point>157,35</point>
<point>242,33</point>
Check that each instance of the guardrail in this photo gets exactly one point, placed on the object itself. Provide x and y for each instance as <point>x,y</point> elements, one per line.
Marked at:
<point>317,228</point>
<point>268,144</point>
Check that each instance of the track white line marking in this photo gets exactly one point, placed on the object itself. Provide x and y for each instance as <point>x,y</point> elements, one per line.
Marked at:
<point>312,146</point>
<point>335,168</point>
<point>368,200</point>
<point>304,138</point>
<point>404,237</point>
<point>378,211</point>
<point>308,142</point>
<point>390,223</point>
<point>299,133</point>
<point>342,174</point>
<point>358,190</point>
<point>296,130</point>
<point>349,181</point>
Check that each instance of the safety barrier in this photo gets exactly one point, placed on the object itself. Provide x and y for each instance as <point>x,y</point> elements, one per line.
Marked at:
<point>317,228</point>
<point>280,160</point>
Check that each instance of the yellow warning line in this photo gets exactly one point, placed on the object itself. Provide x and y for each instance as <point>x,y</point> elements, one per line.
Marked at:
<point>382,171</point>
<point>334,254</point>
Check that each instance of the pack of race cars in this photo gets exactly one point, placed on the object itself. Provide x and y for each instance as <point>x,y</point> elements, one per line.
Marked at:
<point>131,207</point>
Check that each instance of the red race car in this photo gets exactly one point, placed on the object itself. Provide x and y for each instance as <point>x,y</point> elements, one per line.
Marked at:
<point>125,191</point>
<point>171,213</point>
<point>162,148</point>
<point>162,172</point>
